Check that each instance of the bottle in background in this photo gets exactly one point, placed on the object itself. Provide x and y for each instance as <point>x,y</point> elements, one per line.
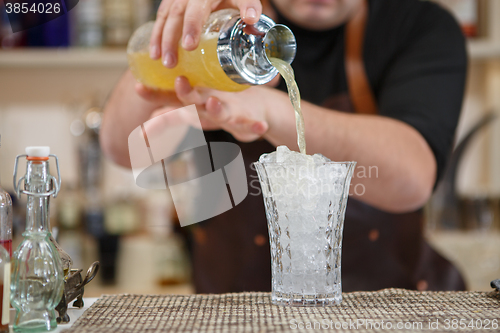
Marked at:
<point>5,254</point>
<point>86,128</point>
<point>4,290</point>
<point>56,33</point>
<point>89,18</point>
<point>118,21</point>
<point>5,219</point>
<point>69,215</point>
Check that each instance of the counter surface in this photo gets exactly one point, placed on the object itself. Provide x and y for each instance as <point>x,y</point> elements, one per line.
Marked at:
<point>389,309</point>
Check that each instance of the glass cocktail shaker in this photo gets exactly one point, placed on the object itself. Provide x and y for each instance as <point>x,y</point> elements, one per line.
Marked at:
<point>231,54</point>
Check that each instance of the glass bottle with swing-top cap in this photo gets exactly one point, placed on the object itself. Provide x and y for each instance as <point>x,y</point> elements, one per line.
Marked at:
<point>37,273</point>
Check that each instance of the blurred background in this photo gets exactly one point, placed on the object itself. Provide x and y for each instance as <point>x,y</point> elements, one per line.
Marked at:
<point>54,81</point>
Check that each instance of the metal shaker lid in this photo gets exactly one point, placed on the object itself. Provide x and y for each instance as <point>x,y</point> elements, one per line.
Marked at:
<point>244,50</point>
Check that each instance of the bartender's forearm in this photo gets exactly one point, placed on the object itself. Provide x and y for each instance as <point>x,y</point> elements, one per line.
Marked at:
<point>403,165</point>
<point>124,111</point>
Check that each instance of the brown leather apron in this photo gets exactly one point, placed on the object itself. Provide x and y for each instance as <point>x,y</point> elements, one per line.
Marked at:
<point>380,249</point>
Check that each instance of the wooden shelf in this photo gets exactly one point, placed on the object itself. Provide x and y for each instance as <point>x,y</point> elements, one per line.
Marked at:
<point>480,49</point>
<point>63,58</point>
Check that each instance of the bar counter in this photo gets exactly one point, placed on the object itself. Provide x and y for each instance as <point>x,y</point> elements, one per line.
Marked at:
<point>389,309</point>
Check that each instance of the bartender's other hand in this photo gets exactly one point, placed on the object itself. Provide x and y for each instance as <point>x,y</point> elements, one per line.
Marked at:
<point>166,101</point>
<point>159,98</point>
<point>240,114</point>
<point>183,19</point>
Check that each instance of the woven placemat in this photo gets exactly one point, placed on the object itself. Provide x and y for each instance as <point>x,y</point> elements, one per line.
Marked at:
<point>388,309</point>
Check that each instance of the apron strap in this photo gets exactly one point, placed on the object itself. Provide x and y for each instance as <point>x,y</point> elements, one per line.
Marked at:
<point>360,91</point>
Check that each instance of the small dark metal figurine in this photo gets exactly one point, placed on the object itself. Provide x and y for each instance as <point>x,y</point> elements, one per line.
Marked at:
<point>73,289</point>
<point>496,284</point>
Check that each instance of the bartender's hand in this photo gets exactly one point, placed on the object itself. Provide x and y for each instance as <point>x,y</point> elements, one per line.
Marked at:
<point>183,19</point>
<point>244,114</point>
<point>166,101</point>
<point>247,115</point>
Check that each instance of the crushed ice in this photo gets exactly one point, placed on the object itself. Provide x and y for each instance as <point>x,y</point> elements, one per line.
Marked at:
<point>285,155</point>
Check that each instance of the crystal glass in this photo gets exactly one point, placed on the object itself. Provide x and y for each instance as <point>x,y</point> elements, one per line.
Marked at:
<point>37,274</point>
<point>305,208</point>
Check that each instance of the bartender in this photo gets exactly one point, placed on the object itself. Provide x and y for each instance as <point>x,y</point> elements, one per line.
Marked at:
<point>397,115</point>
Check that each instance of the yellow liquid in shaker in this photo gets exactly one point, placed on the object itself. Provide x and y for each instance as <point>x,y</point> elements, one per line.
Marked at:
<point>201,67</point>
